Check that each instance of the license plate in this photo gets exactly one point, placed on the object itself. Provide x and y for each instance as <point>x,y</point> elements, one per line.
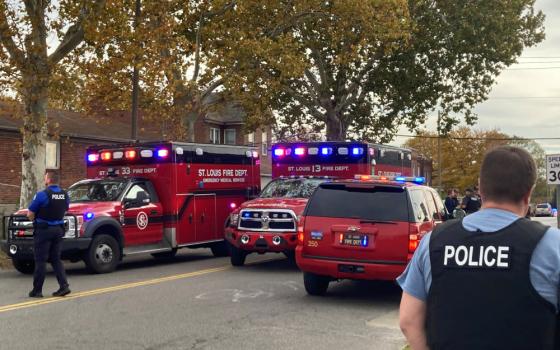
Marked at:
<point>354,240</point>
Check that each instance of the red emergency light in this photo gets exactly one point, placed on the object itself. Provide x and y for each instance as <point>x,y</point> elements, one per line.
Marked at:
<point>106,155</point>
<point>130,154</point>
<point>299,151</point>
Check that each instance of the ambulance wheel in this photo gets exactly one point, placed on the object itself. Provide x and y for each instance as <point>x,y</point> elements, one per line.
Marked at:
<point>220,249</point>
<point>166,255</point>
<point>25,266</point>
<point>315,284</point>
<point>237,256</point>
<point>103,254</point>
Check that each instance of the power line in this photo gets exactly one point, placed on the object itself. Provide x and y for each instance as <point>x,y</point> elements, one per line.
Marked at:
<point>538,62</point>
<point>539,57</point>
<point>479,138</point>
<point>522,97</point>
<point>530,68</point>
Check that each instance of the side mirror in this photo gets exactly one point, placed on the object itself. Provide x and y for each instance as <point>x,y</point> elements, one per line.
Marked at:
<point>142,198</point>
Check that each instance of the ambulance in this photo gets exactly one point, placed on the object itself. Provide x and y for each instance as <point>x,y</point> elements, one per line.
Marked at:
<point>146,198</point>
<point>269,223</point>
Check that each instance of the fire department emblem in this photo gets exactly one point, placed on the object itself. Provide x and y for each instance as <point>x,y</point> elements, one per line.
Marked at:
<point>142,220</point>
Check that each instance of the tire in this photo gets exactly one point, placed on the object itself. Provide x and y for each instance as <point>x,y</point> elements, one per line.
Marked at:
<point>166,255</point>
<point>315,284</point>
<point>24,266</point>
<point>103,254</point>
<point>291,255</point>
<point>220,249</point>
<point>237,256</point>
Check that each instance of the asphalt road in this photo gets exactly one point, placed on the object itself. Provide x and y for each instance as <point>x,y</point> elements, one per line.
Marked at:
<point>196,301</point>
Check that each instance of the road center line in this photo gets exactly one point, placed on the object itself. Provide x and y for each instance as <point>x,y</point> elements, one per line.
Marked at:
<point>120,287</point>
<point>105,290</point>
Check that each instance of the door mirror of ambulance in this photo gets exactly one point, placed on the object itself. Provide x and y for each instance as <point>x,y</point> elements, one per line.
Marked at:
<point>142,198</point>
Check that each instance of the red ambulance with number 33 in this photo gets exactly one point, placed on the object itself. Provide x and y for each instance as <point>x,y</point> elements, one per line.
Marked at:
<point>146,198</point>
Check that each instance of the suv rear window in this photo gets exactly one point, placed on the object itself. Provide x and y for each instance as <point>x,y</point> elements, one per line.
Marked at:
<point>380,203</point>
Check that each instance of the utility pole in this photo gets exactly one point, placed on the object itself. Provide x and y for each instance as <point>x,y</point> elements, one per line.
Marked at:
<point>135,82</point>
<point>440,166</point>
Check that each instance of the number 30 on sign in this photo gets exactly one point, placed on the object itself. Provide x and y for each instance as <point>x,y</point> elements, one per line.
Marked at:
<point>553,169</point>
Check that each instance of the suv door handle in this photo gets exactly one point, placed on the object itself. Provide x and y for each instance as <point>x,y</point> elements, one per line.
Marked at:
<point>202,218</point>
<point>190,218</point>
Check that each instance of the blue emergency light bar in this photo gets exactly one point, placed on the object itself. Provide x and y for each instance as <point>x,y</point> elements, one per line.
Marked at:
<point>415,179</point>
<point>325,151</point>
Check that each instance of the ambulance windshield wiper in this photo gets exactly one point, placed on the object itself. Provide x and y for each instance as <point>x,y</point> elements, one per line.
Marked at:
<point>366,221</point>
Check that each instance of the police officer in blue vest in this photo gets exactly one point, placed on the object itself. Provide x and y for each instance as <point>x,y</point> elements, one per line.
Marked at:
<point>490,280</point>
<point>47,212</point>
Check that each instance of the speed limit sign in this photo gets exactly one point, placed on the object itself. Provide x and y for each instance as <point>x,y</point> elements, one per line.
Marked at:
<point>553,169</point>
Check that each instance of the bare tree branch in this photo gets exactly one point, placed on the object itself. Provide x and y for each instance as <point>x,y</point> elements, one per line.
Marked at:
<point>6,37</point>
<point>312,107</point>
<point>211,88</point>
<point>197,52</point>
<point>75,34</point>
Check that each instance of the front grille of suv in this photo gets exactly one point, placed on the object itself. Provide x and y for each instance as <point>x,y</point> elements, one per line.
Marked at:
<point>262,220</point>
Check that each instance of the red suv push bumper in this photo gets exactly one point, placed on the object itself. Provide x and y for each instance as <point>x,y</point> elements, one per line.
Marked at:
<point>349,269</point>
<point>262,242</point>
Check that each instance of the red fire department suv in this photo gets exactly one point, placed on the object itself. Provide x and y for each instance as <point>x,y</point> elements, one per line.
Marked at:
<point>269,223</point>
<point>146,198</point>
<point>366,229</point>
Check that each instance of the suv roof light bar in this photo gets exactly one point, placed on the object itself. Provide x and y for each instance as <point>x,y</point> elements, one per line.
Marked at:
<point>414,179</point>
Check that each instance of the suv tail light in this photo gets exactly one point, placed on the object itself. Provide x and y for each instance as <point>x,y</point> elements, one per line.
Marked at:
<point>300,234</point>
<point>413,241</point>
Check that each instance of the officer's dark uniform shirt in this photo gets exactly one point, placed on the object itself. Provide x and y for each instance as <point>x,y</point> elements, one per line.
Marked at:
<point>41,200</point>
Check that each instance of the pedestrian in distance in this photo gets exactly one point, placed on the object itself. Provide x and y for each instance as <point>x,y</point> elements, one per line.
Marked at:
<point>471,203</point>
<point>451,201</point>
<point>47,213</point>
<point>490,280</point>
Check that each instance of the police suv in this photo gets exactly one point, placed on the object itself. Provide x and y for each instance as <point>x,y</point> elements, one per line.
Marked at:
<point>367,228</point>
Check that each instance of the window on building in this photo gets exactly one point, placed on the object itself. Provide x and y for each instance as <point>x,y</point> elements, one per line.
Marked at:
<point>251,138</point>
<point>264,143</point>
<point>214,135</point>
<point>229,136</point>
<point>52,155</point>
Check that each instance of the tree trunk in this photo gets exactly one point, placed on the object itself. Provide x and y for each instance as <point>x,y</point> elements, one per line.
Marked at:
<point>34,139</point>
<point>336,129</point>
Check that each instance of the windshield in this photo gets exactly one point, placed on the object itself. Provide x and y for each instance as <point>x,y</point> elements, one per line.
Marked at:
<point>291,188</point>
<point>542,206</point>
<point>97,191</point>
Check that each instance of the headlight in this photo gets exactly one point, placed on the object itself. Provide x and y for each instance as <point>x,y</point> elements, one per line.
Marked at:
<point>234,219</point>
<point>72,227</point>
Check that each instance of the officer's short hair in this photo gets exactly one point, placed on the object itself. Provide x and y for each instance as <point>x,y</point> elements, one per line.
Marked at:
<point>54,176</point>
<point>507,174</point>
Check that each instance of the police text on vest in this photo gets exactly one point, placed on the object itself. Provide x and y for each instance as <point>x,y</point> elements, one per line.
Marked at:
<point>480,256</point>
<point>58,196</point>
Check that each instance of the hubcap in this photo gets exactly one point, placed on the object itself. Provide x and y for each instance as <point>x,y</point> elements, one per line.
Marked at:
<point>104,253</point>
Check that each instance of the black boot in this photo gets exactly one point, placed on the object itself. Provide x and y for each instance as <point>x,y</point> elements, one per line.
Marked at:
<point>34,294</point>
<point>62,291</point>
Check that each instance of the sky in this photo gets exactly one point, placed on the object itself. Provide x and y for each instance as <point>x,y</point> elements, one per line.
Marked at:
<point>526,99</point>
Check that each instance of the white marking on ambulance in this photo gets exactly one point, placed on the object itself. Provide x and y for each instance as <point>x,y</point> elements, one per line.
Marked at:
<point>142,220</point>
<point>483,256</point>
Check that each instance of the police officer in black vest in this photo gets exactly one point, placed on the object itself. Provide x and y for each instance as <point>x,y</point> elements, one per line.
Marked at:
<point>490,280</point>
<point>47,212</point>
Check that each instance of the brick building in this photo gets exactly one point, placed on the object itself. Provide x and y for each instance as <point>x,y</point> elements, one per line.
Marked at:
<point>71,133</point>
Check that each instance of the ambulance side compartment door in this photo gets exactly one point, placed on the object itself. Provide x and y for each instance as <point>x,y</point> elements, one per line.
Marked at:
<point>205,217</point>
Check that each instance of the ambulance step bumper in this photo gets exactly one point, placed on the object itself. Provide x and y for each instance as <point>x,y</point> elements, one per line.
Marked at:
<point>72,248</point>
